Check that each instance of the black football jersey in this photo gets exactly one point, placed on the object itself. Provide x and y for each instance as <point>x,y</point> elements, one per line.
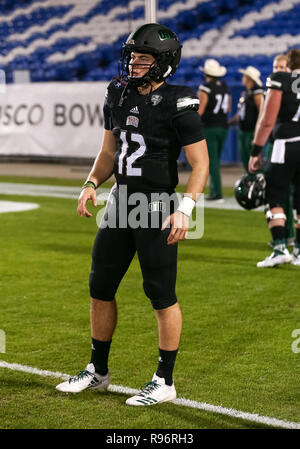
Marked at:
<point>216,110</point>
<point>247,109</point>
<point>288,119</point>
<point>150,131</point>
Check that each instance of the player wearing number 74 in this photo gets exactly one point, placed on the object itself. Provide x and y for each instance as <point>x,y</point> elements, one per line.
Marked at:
<point>215,105</point>
<point>147,122</point>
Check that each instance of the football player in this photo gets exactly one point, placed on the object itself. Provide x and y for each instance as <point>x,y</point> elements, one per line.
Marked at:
<point>280,65</point>
<point>281,112</point>
<point>147,121</point>
<point>249,105</point>
<point>215,104</point>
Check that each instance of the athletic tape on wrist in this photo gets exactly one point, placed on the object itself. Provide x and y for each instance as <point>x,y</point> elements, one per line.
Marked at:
<point>186,205</point>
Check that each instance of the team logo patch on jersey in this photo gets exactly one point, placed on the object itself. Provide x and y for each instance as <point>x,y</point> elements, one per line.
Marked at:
<point>187,103</point>
<point>119,83</point>
<point>132,121</point>
<point>155,99</point>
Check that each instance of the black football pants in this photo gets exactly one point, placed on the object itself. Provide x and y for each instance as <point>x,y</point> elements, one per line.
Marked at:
<point>113,251</point>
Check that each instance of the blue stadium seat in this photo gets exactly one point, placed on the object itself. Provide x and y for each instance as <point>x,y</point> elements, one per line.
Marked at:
<point>191,24</point>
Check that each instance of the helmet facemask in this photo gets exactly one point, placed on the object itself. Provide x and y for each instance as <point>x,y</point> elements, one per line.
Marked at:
<point>135,80</point>
<point>158,71</point>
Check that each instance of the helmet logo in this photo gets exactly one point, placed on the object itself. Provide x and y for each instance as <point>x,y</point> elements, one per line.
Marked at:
<point>165,34</point>
<point>131,42</point>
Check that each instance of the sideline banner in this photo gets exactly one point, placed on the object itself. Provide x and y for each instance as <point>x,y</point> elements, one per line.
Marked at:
<point>52,119</point>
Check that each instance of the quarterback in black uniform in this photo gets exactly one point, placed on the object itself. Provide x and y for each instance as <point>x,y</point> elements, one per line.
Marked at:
<point>147,121</point>
<point>281,112</point>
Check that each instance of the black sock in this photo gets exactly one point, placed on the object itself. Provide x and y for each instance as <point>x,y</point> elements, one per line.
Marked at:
<point>99,358</point>
<point>166,364</point>
<point>278,233</point>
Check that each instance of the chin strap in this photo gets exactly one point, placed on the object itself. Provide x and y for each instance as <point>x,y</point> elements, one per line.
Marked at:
<point>123,96</point>
<point>167,73</point>
<point>148,96</point>
<point>139,82</point>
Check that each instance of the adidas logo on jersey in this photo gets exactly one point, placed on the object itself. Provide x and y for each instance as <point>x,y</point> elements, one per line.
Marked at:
<point>134,110</point>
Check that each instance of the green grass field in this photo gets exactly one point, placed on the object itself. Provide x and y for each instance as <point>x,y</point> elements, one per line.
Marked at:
<point>236,341</point>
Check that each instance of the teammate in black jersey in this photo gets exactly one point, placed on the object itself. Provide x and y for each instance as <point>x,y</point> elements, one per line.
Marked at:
<point>147,122</point>
<point>249,105</point>
<point>281,114</point>
<point>215,104</point>
<point>280,65</point>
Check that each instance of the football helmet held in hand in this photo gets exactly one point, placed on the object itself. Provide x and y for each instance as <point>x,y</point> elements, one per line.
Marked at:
<point>250,190</point>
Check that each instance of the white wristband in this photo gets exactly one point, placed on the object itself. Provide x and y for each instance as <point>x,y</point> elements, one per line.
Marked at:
<point>186,205</point>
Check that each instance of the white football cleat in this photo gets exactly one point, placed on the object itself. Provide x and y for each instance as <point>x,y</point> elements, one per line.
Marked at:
<point>153,392</point>
<point>276,258</point>
<point>296,256</point>
<point>86,379</point>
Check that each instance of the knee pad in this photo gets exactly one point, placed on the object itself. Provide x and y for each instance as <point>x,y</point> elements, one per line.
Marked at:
<point>100,288</point>
<point>159,297</point>
<point>270,216</point>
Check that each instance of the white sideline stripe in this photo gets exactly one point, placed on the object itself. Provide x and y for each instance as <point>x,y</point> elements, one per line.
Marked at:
<point>31,370</point>
<point>14,206</point>
<point>10,188</point>
<point>274,422</point>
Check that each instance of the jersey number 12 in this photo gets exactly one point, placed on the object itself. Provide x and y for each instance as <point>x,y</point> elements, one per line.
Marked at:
<point>129,169</point>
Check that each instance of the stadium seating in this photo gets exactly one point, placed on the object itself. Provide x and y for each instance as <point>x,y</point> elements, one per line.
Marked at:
<point>67,40</point>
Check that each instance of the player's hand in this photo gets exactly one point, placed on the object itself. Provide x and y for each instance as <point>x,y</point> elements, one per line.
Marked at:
<point>179,227</point>
<point>89,193</point>
<point>255,163</point>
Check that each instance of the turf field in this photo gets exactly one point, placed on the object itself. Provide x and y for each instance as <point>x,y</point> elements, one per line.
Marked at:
<point>237,324</point>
